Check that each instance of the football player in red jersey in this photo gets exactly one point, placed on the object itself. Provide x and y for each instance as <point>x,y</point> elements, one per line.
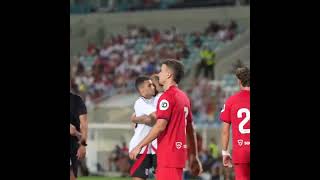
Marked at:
<point>174,126</point>
<point>236,111</point>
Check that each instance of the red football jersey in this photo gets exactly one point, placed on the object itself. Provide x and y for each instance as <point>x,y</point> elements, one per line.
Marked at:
<point>236,111</point>
<point>173,106</point>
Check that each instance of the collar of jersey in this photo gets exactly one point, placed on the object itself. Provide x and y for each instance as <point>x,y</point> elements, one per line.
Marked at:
<point>172,86</point>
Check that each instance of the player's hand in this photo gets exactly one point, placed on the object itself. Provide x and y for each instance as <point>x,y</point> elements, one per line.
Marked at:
<point>146,119</point>
<point>73,130</point>
<point>81,152</point>
<point>135,151</point>
<point>195,166</point>
<point>227,162</point>
<point>132,117</point>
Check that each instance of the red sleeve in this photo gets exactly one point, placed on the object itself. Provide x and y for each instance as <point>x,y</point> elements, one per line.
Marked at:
<point>164,107</point>
<point>225,112</point>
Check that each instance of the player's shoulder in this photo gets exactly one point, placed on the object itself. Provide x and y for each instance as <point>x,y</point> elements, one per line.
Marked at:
<point>158,95</point>
<point>166,94</point>
<point>236,97</point>
<point>139,101</point>
<point>240,94</point>
<point>232,98</point>
<point>75,96</point>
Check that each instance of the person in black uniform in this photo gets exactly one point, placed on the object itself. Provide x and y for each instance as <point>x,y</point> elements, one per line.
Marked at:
<point>78,133</point>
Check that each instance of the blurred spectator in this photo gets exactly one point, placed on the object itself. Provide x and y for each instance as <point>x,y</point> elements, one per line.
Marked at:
<point>233,25</point>
<point>213,148</point>
<point>222,33</point>
<point>114,157</point>
<point>213,28</point>
<point>83,169</point>
<point>217,169</point>
<point>124,149</point>
<point>197,41</point>
<point>207,63</point>
<point>185,52</point>
<point>207,161</point>
<point>100,168</point>
<point>91,48</point>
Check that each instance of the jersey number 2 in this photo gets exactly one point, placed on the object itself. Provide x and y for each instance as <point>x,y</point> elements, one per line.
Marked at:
<point>244,121</point>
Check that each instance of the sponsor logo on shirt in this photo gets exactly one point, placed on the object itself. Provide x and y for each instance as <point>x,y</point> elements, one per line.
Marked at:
<point>241,142</point>
<point>178,145</point>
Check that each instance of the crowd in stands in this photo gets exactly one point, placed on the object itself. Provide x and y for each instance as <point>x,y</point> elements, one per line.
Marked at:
<point>111,68</point>
<point>203,101</point>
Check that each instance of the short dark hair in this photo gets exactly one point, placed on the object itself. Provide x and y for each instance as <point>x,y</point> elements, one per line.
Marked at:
<point>155,77</point>
<point>177,68</point>
<point>243,74</point>
<point>140,80</point>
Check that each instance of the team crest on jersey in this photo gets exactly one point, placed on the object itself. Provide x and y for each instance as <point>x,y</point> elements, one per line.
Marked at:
<point>178,145</point>
<point>240,142</point>
<point>164,104</point>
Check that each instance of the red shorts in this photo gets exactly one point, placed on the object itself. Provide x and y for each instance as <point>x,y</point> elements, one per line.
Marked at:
<point>242,171</point>
<point>163,173</point>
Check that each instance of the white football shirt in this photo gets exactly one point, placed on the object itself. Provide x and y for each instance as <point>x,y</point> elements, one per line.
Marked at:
<point>143,106</point>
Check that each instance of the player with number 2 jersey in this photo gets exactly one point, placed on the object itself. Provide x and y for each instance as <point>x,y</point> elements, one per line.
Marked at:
<point>236,111</point>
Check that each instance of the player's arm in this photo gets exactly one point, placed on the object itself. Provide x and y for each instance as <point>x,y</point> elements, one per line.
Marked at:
<point>74,132</point>
<point>192,139</point>
<point>225,133</point>
<point>153,118</point>
<point>225,117</point>
<point>160,126</point>
<point>84,127</point>
<point>82,112</point>
<point>144,119</point>
<point>140,119</point>
<point>196,167</point>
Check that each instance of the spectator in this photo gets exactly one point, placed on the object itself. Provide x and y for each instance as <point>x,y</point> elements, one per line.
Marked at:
<point>124,148</point>
<point>213,148</point>
<point>185,52</point>
<point>114,157</point>
<point>217,169</point>
<point>233,25</point>
<point>84,170</point>
<point>197,41</point>
<point>207,63</point>
<point>91,48</point>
